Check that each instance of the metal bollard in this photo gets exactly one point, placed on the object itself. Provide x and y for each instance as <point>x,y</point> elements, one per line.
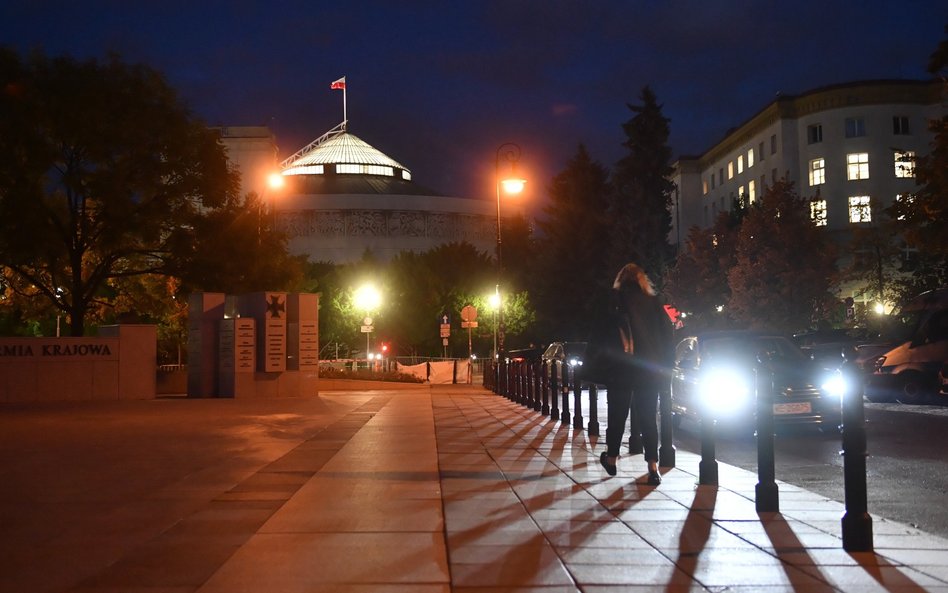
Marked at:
<point>857,524</point>
<point>767,495</point>
<point>577,401</point>
<point>554,392</point>
<point>544,389</point>
<point>666,452</point>
<point>593,427</point>
<point>564,387</point>
<point>708,466</point>
<point>538,386</point>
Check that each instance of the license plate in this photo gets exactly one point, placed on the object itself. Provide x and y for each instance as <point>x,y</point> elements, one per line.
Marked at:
<point>794,408</point>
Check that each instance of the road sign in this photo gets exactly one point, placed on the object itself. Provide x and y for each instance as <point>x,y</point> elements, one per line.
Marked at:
<point>444,342</point>
<point>468,313</point>
<point>445,331</point>
<point>444,319</point>
<point>468,324</point>
<point>367,329</point>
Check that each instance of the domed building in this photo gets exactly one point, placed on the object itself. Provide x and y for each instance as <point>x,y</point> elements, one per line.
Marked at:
<point>342,198</point>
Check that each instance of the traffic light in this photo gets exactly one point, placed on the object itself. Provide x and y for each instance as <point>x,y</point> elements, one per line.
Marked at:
<point>384,349</point>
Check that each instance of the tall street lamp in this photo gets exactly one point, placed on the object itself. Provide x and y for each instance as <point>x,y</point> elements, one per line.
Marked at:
<point>494,301</point>
<point>367,298</point>
<point>512,185</point>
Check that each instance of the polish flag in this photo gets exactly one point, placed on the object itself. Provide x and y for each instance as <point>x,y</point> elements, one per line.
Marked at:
<point>339,84</point>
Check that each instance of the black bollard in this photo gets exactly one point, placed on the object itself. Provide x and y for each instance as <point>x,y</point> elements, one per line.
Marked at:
<point>766,493</point>
<point>537,385</point>
<point>857,524</point>
<point>545,388</point>
<point>593,427</point>
<point>577,401</point>
<point>554,392</point>
<point>666,452</point>
<point>564,387</point>
<point>708,466</point>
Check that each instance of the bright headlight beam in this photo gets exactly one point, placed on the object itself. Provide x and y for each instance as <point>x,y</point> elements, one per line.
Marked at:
<point>724,391</point>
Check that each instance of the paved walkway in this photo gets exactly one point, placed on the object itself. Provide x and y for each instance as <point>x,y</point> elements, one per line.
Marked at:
<point>431,490</point>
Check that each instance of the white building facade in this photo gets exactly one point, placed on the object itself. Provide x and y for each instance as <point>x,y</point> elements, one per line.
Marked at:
<point>849,150</point>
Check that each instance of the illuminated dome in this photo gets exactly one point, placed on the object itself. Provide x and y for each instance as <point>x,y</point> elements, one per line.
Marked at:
<point>344,198</point>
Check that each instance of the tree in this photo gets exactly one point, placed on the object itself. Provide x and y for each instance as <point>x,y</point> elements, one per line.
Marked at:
<point>697,284</point>
<point>640,209</point>
<point>922,216</point>
<point>785,265</point>
<point>104,174</point>
<point>572,251</point>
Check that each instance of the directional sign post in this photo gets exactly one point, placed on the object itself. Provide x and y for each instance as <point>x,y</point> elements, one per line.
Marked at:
<point>469,320</point>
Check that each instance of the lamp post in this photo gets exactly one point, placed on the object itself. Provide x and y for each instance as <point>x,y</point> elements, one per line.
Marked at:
<point>494,300</point>
<point>367,298</point>
<point>512,185</point>
<point>275,183</point>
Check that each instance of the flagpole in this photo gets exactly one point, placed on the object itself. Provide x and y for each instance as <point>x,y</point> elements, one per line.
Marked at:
<point>345,116</point>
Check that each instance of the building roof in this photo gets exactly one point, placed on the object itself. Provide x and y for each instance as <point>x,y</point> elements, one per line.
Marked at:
<point>343,148</point>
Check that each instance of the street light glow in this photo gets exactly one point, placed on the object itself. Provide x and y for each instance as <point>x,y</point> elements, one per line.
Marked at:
<point>494,300</point>
<point>367,298</point>
<point>513,185</point>
<point>275,180</point>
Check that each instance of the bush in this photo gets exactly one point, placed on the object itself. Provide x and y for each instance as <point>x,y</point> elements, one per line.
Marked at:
<point>329,372</point>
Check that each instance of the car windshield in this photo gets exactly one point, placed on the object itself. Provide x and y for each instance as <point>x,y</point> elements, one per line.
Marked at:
<point>748,349</point>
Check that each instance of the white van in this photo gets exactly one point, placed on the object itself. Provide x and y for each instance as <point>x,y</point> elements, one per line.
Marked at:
<point>909,371</point>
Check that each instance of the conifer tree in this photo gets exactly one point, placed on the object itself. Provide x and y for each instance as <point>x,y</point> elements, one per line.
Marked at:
<point>642,190</point>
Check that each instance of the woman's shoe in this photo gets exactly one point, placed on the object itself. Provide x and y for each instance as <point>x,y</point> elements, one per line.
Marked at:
<point>604,462</point>
<point>654,478</point>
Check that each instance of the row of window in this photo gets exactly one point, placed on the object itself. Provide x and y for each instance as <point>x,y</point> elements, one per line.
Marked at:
<point>752,156</point>
<point>351,169</point>
<point>855,127</point>
<point>860,209</point>
<point>857,166</point>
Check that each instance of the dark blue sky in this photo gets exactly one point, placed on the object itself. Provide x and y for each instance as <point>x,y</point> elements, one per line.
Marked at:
<point>439,85</point>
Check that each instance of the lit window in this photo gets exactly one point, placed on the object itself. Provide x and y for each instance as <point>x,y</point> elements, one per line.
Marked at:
<point>859,209</point>
<point>855,127</point>
<point>818,212</point>
<point>900,125</point>
<point>740,195</point>
<point>752,191</point>
<point>905,163</point>
<point>730,170</point>
<point>704,187</point>
<point>750,158</point>
<point>346,168</point>
<point>406,175</point>
<point>814,134</point>
<point>817,172</point>
<point>857,165</point>
<point>740,163</point>
<point>305,170</point>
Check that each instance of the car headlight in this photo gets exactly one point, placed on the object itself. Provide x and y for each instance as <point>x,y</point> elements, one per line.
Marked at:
<point>573,362</point>
<point>835,385</point>
<point>725,391</point>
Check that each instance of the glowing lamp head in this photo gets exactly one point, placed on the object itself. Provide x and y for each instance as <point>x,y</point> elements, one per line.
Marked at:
<point>275,180</point>
<point>513,185</point>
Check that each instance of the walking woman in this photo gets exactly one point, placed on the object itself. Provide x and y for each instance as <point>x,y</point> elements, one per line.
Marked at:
<point>645,330</point>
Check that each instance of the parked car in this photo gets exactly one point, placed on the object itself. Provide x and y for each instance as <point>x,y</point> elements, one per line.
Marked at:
<point>715,373</point>
<point>570,352</point>
<point>908,371</point>
<point>833,347</point>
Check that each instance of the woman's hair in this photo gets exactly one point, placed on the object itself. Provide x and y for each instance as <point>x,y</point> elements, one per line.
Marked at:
<point>632,275</point>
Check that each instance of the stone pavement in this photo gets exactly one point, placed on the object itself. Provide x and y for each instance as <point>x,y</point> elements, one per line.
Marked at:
<point>447,488</point>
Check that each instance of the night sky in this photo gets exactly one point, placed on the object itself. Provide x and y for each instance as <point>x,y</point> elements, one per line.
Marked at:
<point>439,85</point>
